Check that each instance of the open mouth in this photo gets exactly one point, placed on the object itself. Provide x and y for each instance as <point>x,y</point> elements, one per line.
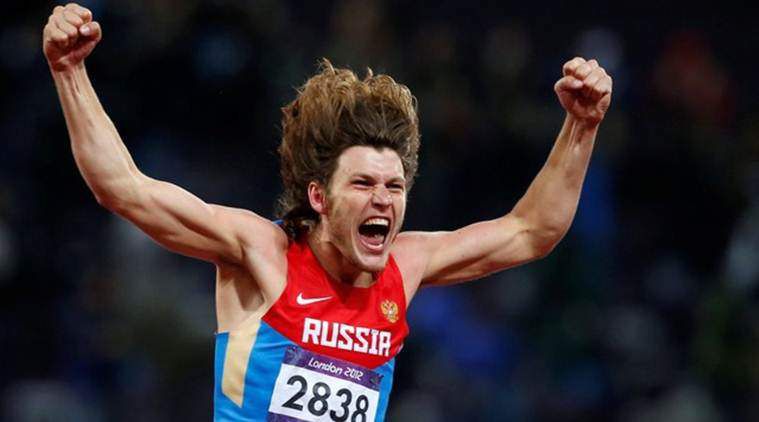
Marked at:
<point>373,232</point>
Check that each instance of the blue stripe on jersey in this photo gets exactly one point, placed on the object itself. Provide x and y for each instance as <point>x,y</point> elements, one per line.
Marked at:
<point>263,368</point>
<point>219,404</point>
<point>386,370</point>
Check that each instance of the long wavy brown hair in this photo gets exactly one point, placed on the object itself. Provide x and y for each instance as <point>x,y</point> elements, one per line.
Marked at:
<point>335,110</point>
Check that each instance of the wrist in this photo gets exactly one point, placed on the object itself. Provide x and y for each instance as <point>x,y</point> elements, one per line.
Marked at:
<point>64,69</point>
<point>584,124</point>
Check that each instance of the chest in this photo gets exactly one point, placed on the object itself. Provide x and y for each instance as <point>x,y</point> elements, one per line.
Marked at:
<point>366,326</point>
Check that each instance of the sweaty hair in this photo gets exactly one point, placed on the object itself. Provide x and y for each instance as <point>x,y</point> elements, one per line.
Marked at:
<point>335,110</point>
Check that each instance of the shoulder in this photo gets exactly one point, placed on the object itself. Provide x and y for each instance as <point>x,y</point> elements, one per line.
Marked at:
<point>264,245</point>
<point>412,251</point>
<point>253,230</point>
<point>415,245</point>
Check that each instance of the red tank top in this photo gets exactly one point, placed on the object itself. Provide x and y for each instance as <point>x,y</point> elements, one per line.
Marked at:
<point>366,326</point>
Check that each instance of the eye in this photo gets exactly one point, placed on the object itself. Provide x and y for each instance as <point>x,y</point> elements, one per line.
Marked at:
<point>361,183</point>
<point>396,187</point>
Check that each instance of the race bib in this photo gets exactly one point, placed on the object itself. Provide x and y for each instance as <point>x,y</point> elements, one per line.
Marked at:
<point>312,387</point>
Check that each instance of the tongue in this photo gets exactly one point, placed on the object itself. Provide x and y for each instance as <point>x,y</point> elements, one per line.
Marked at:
<point>373,239</point>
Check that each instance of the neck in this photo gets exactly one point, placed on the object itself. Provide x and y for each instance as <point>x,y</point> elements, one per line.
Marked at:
<point>337,265</point>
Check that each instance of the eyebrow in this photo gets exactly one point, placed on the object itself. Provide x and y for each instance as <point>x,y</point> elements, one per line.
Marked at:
<point>395,179</point>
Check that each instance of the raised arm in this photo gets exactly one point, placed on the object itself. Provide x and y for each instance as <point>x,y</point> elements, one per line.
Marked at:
<point>172,216</point>
<point>543,215</point>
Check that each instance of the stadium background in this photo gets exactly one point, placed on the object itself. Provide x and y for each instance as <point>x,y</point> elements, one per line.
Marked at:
<point>647,311</point>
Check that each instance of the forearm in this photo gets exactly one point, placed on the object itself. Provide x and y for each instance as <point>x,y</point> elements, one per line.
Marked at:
<point>100,154</point>
<point>549,205</point>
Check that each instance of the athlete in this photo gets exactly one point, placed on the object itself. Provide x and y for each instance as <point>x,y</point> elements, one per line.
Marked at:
<point>312,312</point>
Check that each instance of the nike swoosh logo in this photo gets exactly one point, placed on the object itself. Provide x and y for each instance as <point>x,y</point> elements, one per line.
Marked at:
<point>307,301</point>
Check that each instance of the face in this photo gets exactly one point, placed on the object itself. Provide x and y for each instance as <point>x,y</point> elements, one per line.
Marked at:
<point>363,209</point>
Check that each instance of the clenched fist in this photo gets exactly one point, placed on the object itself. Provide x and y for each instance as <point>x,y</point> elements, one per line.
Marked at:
<point>585,90</point>
<point>69,36</point>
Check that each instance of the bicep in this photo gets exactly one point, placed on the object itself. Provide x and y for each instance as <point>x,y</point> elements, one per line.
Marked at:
<point>477,250</point>
<point>183,223</point>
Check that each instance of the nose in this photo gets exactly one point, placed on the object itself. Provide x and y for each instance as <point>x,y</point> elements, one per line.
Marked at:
<point>381,197</point>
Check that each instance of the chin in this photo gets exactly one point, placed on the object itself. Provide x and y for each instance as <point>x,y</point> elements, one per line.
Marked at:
<point>372,263</point>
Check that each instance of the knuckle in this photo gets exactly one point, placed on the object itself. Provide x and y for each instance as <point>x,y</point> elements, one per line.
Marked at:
<point>69,30</point>
<point>71,16</point>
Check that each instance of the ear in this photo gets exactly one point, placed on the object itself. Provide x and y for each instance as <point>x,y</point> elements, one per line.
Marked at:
<point>317,197</point>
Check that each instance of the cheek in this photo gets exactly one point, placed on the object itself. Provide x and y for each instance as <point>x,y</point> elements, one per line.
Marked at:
<point>400,207</point>
<point>341,213</point>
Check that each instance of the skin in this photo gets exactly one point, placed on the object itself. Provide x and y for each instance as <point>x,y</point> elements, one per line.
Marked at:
<point>367,183</point>
<point>249,251</point>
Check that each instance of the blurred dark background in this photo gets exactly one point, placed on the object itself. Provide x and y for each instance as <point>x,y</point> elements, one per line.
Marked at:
<point>647,311</point>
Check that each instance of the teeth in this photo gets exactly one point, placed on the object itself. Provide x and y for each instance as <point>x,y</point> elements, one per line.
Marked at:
<point>378,221</point>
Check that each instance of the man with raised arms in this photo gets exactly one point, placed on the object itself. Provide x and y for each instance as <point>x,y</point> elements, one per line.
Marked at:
<point>312,311</point>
